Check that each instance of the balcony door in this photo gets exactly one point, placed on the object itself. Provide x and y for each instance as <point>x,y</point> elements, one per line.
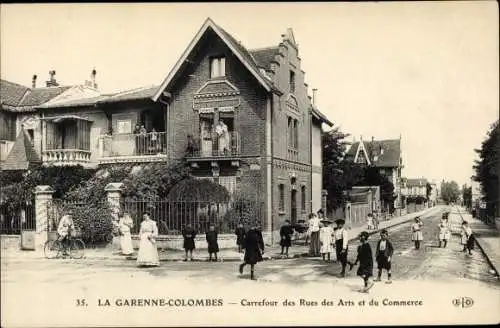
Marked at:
<point>206,133</point>
<point>293,206</point>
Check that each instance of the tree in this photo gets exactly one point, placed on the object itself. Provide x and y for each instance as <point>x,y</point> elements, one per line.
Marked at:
<point>428,190</point>
<point>339,174</point>
<point>373,177</point>
<point>486,170</point>
<point>467,196</point>
<point>450,191</point>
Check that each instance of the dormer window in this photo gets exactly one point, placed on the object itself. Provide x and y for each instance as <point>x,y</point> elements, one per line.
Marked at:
<point>217,67</point>
<point>292,81</point>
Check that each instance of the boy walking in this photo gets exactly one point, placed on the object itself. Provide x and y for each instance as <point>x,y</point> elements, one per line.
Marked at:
<point>240,237</point>
<point>383,255</point>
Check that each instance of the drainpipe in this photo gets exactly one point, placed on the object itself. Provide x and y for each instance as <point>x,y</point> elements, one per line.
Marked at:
<point>271,101</point>
<point>167,127</point>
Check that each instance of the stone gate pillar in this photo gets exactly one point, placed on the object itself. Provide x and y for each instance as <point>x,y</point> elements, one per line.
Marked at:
<point>114,195</point>
<point>324,193</point>
<point>43,198</point>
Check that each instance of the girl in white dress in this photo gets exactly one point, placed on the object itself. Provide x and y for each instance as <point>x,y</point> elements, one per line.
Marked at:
<point>126,223</point>
<point>416,232</point>
<point>148,253</point>
<point>444,231</point>
<point>369,221</point>
<point>326,238</point>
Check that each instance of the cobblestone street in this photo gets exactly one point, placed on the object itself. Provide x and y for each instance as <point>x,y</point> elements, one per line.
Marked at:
<point>416,272</point>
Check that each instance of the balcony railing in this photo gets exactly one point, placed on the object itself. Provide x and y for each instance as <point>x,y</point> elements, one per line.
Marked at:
<point>215,146</point>
<point>122,145</point>
<point>66,156</point>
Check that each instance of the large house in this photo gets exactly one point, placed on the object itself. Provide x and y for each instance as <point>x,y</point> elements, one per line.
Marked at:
<point>240,117</point>
<point>385,155</point>
<point>414,187</point>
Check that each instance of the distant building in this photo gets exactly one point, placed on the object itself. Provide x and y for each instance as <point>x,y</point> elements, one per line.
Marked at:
<point>386,155</point>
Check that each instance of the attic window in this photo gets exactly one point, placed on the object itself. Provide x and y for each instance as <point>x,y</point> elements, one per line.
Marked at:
<point>292,81</point>
<point>217,67</point>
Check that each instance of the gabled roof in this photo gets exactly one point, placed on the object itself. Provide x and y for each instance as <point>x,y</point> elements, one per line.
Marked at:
<point>382,153</point>
<point>11,93</point>
<point>18,98</point>
<point>264,56</point>
<point>22,154</point>
<point>236,47</point>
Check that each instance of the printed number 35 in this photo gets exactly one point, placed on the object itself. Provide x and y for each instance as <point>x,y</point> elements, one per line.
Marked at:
<point>81,302</point>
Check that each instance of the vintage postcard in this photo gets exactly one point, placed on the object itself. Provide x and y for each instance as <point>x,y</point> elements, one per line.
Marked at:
<point>245,164</point>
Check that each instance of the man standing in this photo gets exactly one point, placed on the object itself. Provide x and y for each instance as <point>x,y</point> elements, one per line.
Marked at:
<point>341,240</point>
<point>314,233</point>
<point>64,230</point>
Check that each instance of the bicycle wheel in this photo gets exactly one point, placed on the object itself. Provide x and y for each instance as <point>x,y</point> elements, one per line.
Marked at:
<point>76,248</point>
<point>52,249</point>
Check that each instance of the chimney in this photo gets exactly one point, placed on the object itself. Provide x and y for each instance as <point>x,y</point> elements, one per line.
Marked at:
<point>33,81</point>
<point>314,95</point>
<point>52,80</point>
<point>92,78</point>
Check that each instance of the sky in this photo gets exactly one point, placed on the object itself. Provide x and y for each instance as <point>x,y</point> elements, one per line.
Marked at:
<point>428,71</point>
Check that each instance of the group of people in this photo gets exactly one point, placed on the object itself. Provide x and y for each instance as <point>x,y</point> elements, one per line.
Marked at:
<point>147,142</point>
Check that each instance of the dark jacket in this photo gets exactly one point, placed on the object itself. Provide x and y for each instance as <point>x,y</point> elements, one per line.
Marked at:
<point>213,245</point>
<point>240,235</point>
<point>189,234</point>
<point>389,250</point>
<point>286,233</point>
<point>254,246</point>
<point>365,259</point>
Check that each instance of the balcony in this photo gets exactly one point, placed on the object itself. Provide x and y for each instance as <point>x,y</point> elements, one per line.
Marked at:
<point>66,157</point>
<point>214,147</point>
<point>124,148</point>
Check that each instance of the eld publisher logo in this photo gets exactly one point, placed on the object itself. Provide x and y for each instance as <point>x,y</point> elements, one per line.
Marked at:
<point>464,302</point>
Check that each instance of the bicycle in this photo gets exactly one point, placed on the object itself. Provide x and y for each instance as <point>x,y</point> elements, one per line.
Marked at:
<point>54,248</point>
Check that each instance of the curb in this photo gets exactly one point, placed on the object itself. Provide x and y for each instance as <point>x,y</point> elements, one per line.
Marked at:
<point>487,258</point>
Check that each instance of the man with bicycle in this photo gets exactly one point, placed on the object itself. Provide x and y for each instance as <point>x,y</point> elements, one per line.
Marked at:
<point>64,230</point>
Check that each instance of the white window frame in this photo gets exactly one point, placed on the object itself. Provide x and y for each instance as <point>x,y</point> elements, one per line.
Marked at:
<point>119,123</point>
<point>217,67</point>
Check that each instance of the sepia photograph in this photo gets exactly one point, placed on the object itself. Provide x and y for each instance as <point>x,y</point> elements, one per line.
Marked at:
<point>244,164</point>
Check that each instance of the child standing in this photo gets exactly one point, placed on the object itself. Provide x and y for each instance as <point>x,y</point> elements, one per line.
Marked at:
<point>240,237</point>
<point>369,221</point>
<point>383,255</point>
<point>189,235</point>
<point>467,238</point>
<point>326,238</point>
<point>365,259</point>
<point>416,232</point>
<point>213,245</point>
<point>286,233</point>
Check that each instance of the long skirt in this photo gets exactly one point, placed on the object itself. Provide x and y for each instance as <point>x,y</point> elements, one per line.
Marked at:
<point>365,271</point>
<point>148,254</point>
<point>470,242</point>
<point>126,244</point>
<point>315,244</point>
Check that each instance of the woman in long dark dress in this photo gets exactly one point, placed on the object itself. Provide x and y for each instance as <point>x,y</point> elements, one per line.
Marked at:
<point>213,245</point>
<point>254,248</point>
<point>286,233</point>
<point>365,259</point>
<point>189,234</point>
<point>240,237</point>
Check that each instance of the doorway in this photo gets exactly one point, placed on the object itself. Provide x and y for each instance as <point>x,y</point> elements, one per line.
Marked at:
<point>293,207</point>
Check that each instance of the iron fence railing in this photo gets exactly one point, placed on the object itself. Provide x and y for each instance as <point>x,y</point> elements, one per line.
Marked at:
<point>13,219</point>
<point>173,216</point>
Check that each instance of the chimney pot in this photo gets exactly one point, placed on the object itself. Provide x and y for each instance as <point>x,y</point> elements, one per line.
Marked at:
<point>33,81</point>
<point>315,91</point>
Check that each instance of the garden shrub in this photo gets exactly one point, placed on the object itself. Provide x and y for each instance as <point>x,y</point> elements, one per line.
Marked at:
<point>243,210</point>
<point>93,223</point>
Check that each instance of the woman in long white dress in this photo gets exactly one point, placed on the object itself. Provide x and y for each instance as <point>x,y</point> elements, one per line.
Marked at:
<point>148,253</point>
<point>223,135</point>
<point>126,223</point>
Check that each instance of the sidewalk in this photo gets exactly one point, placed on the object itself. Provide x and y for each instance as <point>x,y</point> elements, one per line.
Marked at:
<point>487,238</point>
<point>271,252</point>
